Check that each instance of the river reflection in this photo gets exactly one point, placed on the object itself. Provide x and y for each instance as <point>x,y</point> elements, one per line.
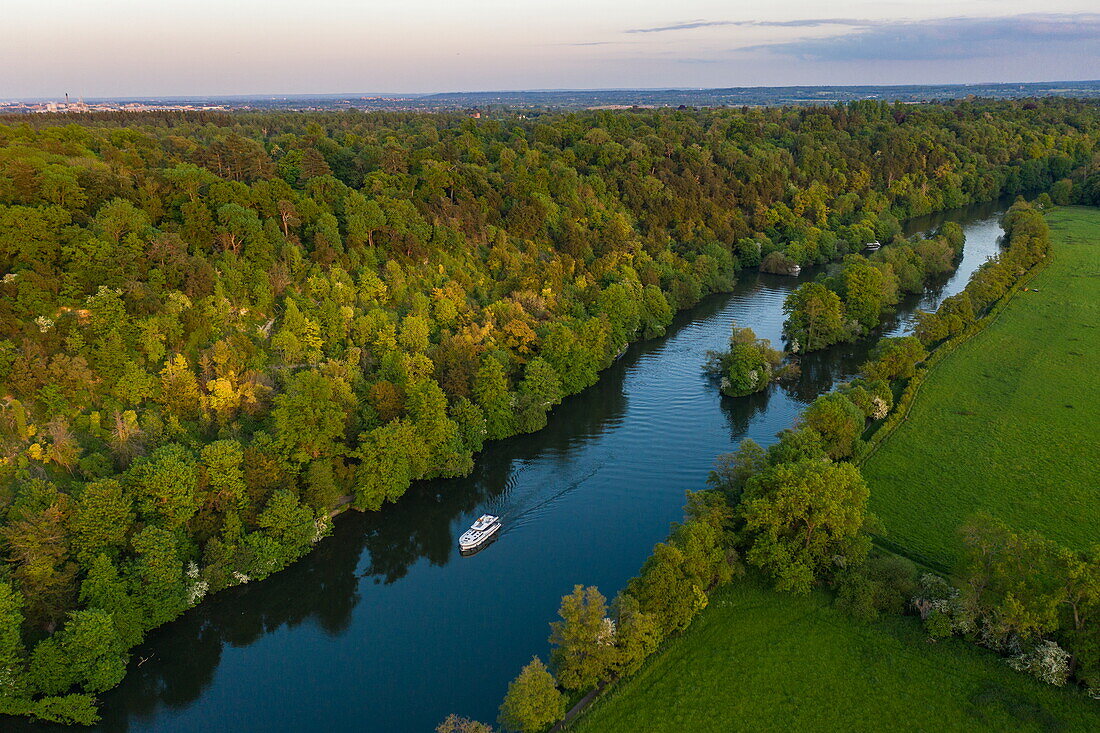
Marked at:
<point>385,627</point>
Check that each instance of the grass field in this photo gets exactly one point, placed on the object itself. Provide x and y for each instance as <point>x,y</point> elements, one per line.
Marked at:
<point>1010,422</point>
<point>759,660</point>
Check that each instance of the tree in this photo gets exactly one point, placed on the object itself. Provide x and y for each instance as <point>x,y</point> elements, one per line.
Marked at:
<point>749,365</point>
<point>1014,581</point>
<point>103,518</point>
<point>314,164</point>
<point>414,334</point>
<point>311,415</point>
<point>637,635</point>
<point>166,485</point>
<point>533,700</point>
<point>290,524</point>
<point>705,540</point>
<point>882,584</point>
<point>390,458</point>
<point>12,654</point>
<point>814,318</point>
<point>619,303</point>
<point>456,724</point>
<point>87,652</point>
<point>894,358</point>
<point>837,421</point>
<point>119,217</point>
<point>865,293</point>
<point>223,473</point>
<point>104,588</point>
<point>179,389</point>
<point>37,549</point>
<point>656,313</point>
<point>583,640</point>
<point>364,218</point>
<point>665,591</point>
<point>491,393</point>
<point>298,339</point>
<point>157,577</point>
<point>733,470</point>
<point>539,390</point>
<point>802,517</point>
<point>794,445</point>
<point>442,452</point>
<point>1045,660</point>
<point>238,226</point>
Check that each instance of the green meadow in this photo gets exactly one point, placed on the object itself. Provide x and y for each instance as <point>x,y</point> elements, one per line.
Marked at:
<point>1009,423</point>
<point>759,660</point>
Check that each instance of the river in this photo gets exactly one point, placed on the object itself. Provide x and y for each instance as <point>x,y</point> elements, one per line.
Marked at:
<point>385,627</point>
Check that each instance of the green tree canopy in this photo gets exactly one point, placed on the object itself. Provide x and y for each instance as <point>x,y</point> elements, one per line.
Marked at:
<point>533,700</point>
<point>801,517</point>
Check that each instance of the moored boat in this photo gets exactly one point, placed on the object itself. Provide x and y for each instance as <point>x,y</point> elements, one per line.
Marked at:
<point>486,526</point>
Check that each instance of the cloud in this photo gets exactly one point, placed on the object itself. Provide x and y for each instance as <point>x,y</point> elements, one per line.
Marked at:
<point>806,23</point>
<point>944,38</point>
<point>691,24</point>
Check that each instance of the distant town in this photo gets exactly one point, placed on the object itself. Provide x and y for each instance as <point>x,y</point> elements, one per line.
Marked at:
<point>80,106</point>
<point>572,99</point>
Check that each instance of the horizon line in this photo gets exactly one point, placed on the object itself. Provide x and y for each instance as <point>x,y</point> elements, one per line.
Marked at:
<point>422,95</point>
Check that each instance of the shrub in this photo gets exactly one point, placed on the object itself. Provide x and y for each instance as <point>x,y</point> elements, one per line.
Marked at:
<point>881,585</point>
<point>1045,661</point>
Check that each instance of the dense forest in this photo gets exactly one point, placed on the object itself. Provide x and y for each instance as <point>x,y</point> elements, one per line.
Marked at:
<point>216,330</point>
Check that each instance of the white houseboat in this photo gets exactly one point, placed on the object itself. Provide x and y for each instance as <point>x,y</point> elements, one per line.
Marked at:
<point>481,532</point>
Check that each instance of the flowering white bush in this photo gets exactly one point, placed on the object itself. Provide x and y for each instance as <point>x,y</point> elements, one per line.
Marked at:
<point>941,608</point>
<point>321,527</point>
<point>880,408</point>
<point>1046,661</point>
<point>196,586</point>
<point>240,577</point>
<point>44,324</point>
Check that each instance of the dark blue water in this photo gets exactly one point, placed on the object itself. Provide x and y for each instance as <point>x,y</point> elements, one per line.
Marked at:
<point>385,627</point>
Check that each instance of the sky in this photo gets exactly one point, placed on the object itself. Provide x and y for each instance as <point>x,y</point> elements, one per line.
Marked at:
<point>132,48</point>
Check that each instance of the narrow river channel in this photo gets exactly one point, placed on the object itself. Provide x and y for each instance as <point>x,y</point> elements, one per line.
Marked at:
<point>384,627</point>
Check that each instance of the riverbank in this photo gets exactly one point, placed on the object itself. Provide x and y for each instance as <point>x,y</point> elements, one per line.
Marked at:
<point>1006,422</point>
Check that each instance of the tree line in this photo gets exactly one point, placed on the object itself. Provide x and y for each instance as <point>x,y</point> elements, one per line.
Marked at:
<point>216,330</point>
